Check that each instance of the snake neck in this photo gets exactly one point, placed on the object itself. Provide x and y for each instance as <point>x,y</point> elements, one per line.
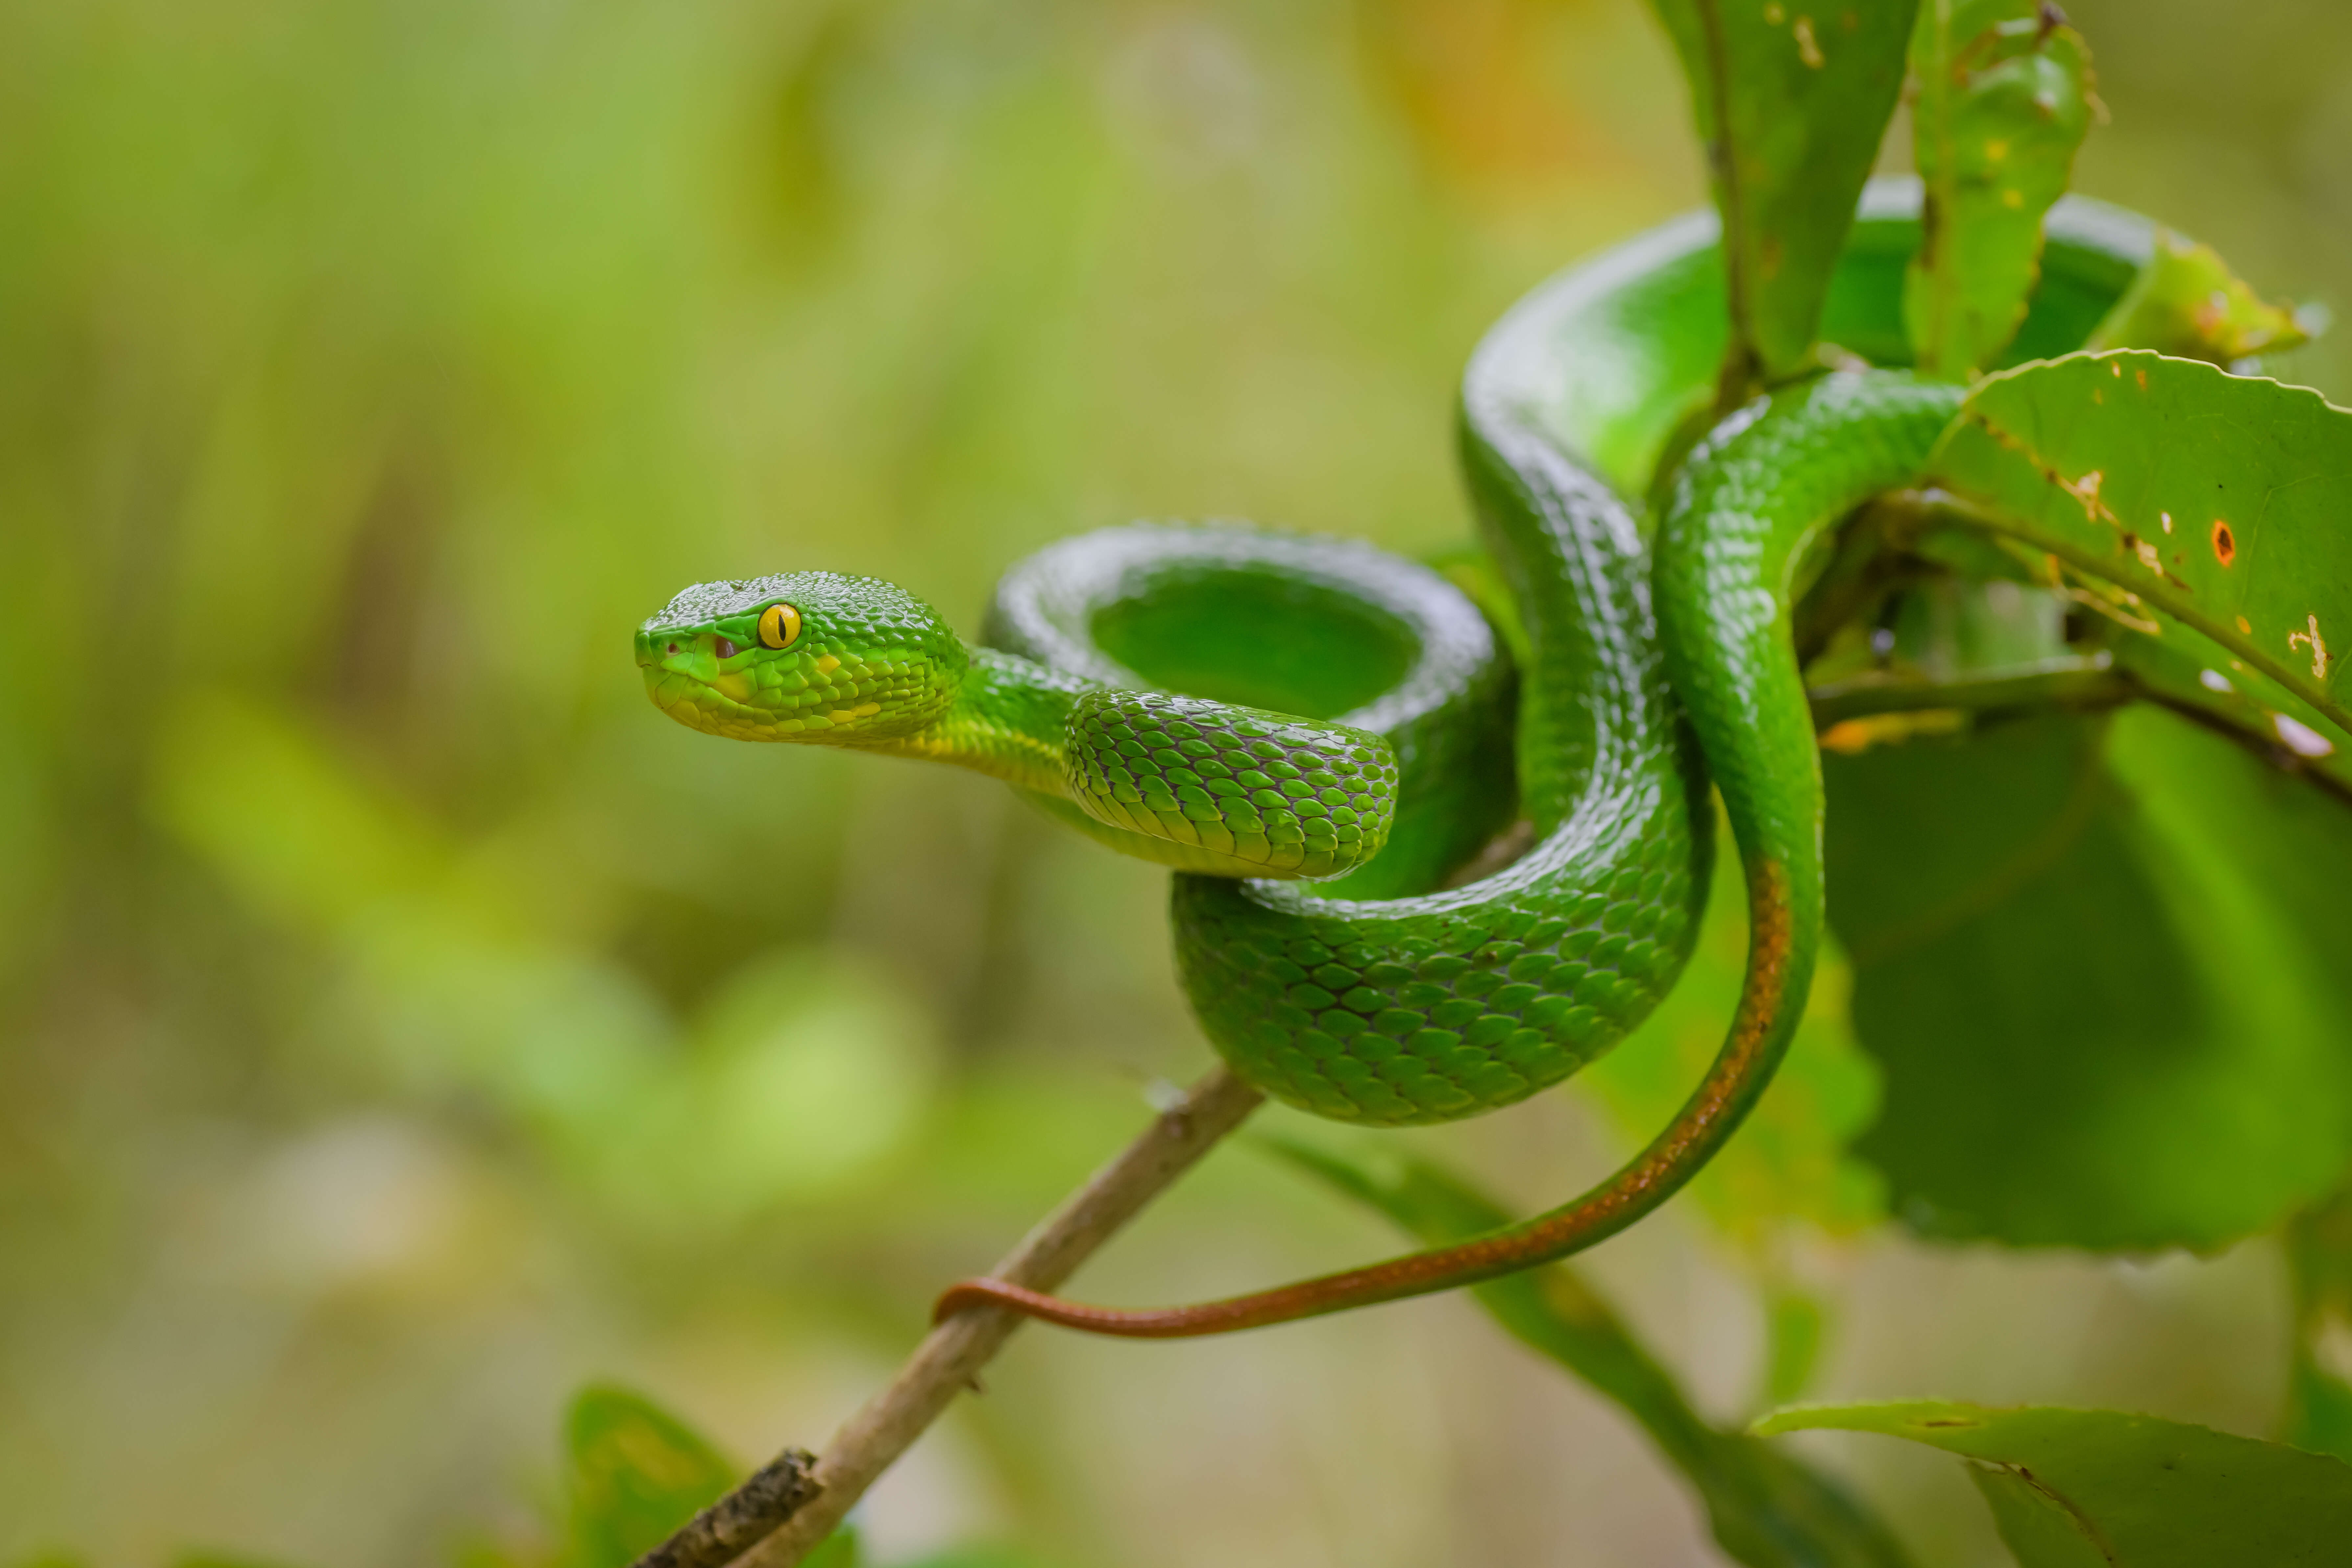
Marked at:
<point>1007,721</point>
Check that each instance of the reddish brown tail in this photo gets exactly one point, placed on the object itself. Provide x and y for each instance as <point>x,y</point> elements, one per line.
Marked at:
<point>1772,1000</point>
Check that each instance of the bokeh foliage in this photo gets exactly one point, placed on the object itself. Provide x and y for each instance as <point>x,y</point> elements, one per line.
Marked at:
<point>366,943</point>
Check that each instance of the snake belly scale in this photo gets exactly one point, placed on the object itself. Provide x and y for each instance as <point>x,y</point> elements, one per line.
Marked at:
<point>1314,734</point>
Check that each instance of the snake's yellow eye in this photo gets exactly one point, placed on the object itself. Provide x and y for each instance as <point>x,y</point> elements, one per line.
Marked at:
<point>779,625</point>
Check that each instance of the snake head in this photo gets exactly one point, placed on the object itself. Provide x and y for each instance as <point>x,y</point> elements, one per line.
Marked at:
<point>814,656</point>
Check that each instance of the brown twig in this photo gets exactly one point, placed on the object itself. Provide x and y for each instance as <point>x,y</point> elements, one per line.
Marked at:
<point>951,1353</point>
<point>774,1493</point>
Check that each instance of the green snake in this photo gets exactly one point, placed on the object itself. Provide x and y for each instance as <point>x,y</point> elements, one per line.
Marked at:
<point>1318,736</point>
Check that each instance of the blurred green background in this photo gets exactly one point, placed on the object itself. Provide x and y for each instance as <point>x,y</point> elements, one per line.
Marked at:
<point>402,1023</point>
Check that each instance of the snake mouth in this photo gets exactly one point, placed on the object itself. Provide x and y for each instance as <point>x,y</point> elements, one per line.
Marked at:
<point>698,701</point>
<point>720,708</point>
<point>688,683</point>
<point>699,705</point>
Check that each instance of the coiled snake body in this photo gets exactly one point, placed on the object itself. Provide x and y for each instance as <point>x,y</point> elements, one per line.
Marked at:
<point>1315,734</point>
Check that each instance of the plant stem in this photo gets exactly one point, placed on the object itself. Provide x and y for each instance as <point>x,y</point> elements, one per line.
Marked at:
<point>953,1352</point>
<point>2068,682</point>
<point>775,1493</point>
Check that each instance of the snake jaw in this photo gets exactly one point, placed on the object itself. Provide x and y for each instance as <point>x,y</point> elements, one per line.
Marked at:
<point>867,664</point>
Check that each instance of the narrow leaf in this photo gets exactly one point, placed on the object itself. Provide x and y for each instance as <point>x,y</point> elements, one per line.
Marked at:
<point>1767,1509</point>
<point>1794,1325</point>
<point>2003,98</point>
<point>2319,1248</point>
<point>2075,1488</point>
<point>2188,303</point>
<point>2213,498</point>
<point>637,1473</point>
<point>1791,99</point>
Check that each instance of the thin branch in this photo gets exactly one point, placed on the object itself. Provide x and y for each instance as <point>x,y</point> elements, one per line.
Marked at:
<point>774,1493</point>
<point>2071,681</point>
<point>954,1352</point>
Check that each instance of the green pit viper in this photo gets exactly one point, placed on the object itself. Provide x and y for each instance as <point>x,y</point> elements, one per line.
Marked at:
<point>1316,733</point>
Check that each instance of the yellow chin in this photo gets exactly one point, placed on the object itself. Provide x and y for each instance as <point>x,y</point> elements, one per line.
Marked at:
<point>720,708</point>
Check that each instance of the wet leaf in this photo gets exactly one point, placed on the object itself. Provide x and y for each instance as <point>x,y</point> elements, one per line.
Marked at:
<point>2188,303</point>
<point>2099,1489</point>
<point>1791,99</point>
<point>2216,498</point>
<point>2098,962</point>
<point>1767,1509</point>
<point>637,1474</point>
<point>2003,98</point>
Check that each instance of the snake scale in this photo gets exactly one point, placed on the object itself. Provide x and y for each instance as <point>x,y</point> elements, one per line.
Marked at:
<point>1317,735</point>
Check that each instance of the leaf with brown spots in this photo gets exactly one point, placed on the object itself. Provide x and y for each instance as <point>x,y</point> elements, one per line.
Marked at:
<point>2216,499</point>
<point>2071,1488</point>
<point>2001,100</point>
<point>1791,97</point>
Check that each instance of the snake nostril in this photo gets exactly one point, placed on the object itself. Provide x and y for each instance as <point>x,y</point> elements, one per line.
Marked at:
<point>673,649</point>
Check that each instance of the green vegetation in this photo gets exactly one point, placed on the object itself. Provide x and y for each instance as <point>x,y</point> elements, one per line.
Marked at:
<point>406,1026</point>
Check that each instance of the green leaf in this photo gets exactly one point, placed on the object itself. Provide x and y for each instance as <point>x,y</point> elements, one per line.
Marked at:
<point>2075,1489</point>
<point>2097,962</point>
<point>1794,1324</point>
<point>2213,497</point>
<point>1767,1509</point>
<point>1791,99</point>
<point>2040,1529</point>
<point>2003,98</point>
<point>2183,669</point>
<point>838,1549</point>
<point>2188,303</point>
<point>637,1473</point>
<point>2319,1250</point>
<point>2101,965</point>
